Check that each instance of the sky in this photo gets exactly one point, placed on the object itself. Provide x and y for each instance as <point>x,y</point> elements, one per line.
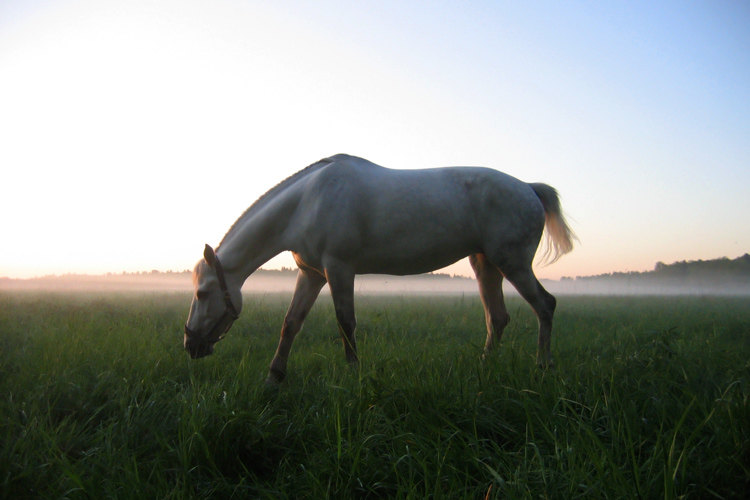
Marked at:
<point>131,133</point>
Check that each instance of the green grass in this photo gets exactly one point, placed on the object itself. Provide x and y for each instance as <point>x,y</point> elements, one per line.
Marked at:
<point>649,399</point>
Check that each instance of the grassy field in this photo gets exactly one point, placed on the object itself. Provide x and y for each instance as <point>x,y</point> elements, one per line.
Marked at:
<point>649,399</point>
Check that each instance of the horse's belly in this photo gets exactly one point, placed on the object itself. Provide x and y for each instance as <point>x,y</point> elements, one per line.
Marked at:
<point>405,259</point>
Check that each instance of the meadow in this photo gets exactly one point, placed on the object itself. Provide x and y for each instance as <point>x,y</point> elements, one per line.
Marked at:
<point>649,399</point>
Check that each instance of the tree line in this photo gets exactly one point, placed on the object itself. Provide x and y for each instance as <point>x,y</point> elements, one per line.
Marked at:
<point>722,271</point>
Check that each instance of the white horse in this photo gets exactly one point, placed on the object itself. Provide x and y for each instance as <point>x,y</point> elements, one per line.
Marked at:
<point>344,216</point>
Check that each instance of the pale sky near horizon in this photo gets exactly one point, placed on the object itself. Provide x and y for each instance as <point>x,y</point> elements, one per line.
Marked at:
<point>131,133</point>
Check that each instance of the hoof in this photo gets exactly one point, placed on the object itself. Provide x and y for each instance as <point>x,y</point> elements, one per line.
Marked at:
<point>546,365</point>
<point>275,377</point>
<point>270,390</point>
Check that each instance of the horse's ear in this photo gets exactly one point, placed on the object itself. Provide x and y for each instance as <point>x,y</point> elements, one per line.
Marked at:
<point>209,255</point>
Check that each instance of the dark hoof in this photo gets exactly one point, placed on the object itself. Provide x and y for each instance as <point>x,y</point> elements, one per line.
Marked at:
<point>275,377</point>
<point>546,365</point>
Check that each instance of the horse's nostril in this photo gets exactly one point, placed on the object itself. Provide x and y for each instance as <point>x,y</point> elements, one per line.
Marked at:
<point>199,350</point>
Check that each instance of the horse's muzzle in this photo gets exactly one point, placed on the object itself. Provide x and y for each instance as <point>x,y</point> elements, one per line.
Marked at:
<point>198,349</point>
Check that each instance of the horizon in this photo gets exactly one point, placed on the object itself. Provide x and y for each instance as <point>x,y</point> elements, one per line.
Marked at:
<point>716,277</point>
<point>436,273</point>
<point>135,133</point>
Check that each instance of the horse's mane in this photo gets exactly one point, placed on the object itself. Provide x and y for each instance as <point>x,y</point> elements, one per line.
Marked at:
<point>281,185</point>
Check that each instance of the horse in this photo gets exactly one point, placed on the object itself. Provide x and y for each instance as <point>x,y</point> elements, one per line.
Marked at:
<point>343,216</point>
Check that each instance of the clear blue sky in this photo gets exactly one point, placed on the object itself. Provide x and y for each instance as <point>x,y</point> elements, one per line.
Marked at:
<point>133,132</point>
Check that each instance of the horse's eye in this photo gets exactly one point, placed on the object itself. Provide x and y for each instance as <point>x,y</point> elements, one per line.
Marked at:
<point>201,294</point>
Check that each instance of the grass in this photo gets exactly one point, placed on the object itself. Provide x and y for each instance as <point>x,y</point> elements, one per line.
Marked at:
<point>649,399</point>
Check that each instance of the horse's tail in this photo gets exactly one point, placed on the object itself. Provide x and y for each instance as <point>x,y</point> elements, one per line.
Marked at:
<point>559,235</point>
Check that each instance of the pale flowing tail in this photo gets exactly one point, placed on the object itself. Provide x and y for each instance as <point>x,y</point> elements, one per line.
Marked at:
<point>558,234</point>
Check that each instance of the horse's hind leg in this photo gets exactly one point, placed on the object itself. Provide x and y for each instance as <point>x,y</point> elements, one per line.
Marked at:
<point>309,284</point>
<point>490,281</point>
<point>542,302</point>
<point>341,283</point>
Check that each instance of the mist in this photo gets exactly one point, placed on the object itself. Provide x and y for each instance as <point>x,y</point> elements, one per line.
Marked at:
<point>273,282</point>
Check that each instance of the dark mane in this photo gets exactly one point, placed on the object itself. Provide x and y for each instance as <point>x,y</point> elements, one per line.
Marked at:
<point>289,180</point>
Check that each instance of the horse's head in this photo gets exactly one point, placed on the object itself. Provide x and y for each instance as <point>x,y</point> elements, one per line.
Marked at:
<point>214,308</point>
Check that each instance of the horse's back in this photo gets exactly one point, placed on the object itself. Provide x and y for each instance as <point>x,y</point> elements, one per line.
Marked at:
<point>369,178</point>
<point>444,193</point>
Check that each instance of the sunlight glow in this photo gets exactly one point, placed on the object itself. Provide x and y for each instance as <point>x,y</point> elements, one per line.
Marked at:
<point>133,133</point>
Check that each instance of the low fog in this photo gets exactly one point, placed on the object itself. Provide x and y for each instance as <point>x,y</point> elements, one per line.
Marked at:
<point>271,282</point>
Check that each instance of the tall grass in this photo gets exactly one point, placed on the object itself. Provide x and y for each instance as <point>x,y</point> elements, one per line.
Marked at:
<point>649,399</point>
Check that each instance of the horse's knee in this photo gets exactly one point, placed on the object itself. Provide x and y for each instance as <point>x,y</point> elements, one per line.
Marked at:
<point>291,326</point>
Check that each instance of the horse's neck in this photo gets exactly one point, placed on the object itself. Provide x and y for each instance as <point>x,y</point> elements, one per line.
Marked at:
<point>257,236</point>
<point>254,239</point>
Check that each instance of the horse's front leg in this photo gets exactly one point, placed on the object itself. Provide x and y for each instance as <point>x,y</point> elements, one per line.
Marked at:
<point>309,284</point>
<point>341,283</point>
